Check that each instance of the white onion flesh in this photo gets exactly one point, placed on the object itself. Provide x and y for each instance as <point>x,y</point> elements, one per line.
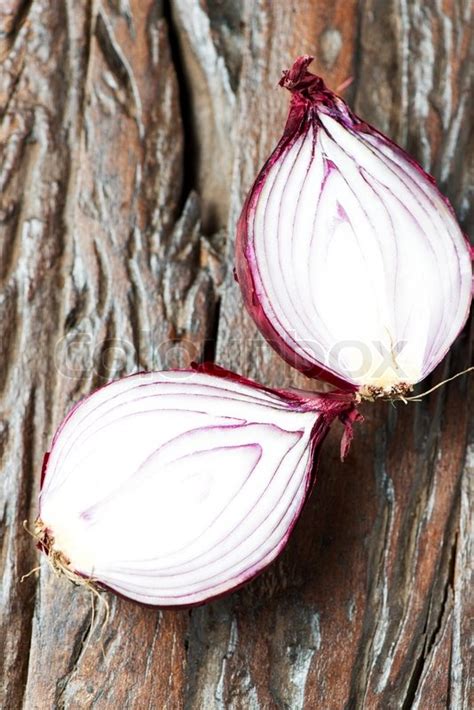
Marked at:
<point>355,260</point>
<point>172,488</point>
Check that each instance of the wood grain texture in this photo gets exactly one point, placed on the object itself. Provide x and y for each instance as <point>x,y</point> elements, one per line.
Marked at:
<point>130,132</point>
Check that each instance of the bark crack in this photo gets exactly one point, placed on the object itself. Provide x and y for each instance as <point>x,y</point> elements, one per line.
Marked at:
<point>209,351</point>
<point>189,181</point>
<point>431,639</point>
<point>12,34</point>
<point>118,64</point>
<point>78,648</point>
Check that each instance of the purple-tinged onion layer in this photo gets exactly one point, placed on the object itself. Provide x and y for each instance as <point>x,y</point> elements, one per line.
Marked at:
<point>172,488</point>
<point>350,260</point>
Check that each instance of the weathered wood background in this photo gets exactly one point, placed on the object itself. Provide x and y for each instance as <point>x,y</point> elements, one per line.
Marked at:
<point>130,131</point>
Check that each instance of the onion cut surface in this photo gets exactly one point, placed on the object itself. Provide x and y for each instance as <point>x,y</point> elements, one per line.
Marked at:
<point>350,260</point>
<point>172,488</point>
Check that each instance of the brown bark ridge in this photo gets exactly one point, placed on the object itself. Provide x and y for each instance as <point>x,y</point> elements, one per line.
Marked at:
<point>130,131</point>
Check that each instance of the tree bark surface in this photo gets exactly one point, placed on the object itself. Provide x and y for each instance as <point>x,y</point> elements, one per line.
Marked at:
<point>130,131</point>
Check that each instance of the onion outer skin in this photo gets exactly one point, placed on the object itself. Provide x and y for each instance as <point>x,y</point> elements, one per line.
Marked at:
<point>310,100</point>
<point>325,409</point>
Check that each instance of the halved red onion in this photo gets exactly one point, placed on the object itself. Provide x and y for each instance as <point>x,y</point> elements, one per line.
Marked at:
<point>350,260</point>
<point>172,488</point>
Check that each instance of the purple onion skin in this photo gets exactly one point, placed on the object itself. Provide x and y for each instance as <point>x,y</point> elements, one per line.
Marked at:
<point>334,404</point>
<point>330,406</point>
<point>309,92</point>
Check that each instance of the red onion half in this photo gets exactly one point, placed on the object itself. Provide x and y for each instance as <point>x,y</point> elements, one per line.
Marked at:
<point>350,260</point>
<point>172,488</point>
